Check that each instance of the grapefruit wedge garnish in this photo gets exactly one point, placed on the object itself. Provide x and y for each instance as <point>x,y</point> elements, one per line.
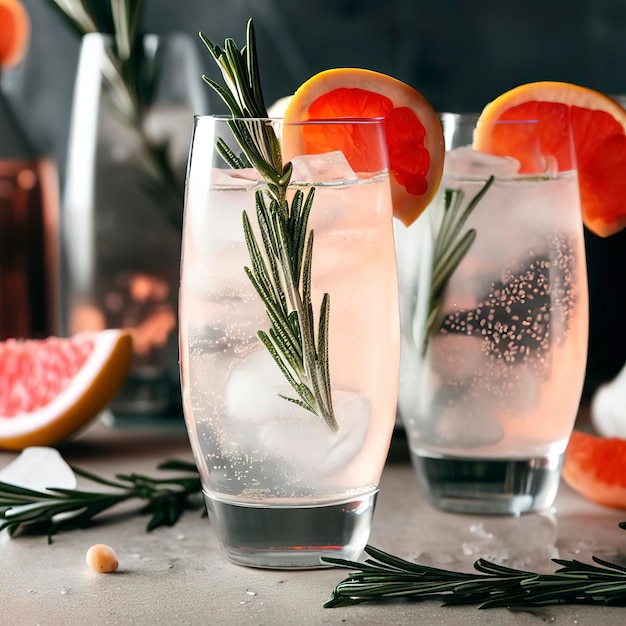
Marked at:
<point>52,387</point>
<point>414,137</point>
<point>595,467</point>
<point>598,126</point>
<point>14,32</point>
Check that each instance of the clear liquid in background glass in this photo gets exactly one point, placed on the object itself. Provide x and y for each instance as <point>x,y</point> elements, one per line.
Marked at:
<point>308,490</point>
<point>489,406</point>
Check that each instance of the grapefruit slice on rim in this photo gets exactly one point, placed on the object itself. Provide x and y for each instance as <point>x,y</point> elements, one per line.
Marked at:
<point>595,467</point>
<point>14,32</point>
<point>598,126</point>
<point>52,387</point>
<point>414,136</point>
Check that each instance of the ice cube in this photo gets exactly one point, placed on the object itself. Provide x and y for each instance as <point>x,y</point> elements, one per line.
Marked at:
<point>236,178</point>
<point>39,468</point>
<point>310,441</point>
<point>322,168</point>
<point>464,425</point>
<point>264,425</point>
<point>469,163</point>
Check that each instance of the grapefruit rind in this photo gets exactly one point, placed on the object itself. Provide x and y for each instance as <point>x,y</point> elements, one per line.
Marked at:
<point>407,207</point>
<point>547,91</point>
<point>595,467</point>
<point>14,32</point>
<point>602,185</point>
<point>93,386</point>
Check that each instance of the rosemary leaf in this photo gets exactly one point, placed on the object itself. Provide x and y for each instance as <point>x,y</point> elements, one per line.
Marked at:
<point>322,348</point>
<point>223,93</point>
<point>243,132</point>
<point>448,252</point>
<point>450,260</point>
<point>270,243</point>
<point>452,203</point>
<point>300,403</point>
<point>254,74</point>
<point>301,211</point>
<point>281,325</point>
<point>259,268</point>
<point>234,63</point>
<point>288,368</point>
<point>228,155</point>
<point>25,510</point>
<point>384,576</point>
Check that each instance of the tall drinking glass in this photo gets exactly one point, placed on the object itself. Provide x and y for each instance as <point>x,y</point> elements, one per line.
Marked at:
<point>495,321</point>
<point>289,394</point>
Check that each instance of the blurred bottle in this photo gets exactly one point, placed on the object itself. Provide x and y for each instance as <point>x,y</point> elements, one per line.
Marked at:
<point>28,206</point>
<point>28,234</point>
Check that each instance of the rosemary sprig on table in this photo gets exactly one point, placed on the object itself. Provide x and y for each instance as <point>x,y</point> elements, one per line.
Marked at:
<point>449,250</point>
<point>384,576</point>
<point>282,263</point>
<point>57,510</point>
<point>132,77</point>
<point>381,577</point>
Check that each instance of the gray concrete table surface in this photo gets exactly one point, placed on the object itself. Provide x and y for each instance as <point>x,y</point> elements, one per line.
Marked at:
<point>179,575</point>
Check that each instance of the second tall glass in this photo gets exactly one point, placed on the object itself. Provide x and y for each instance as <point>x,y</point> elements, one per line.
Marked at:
<point>289,340</point>
<point>495,322</point>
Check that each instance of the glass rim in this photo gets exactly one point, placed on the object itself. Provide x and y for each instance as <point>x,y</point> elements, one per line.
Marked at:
<point>473,118</point>
<point>277,119</point>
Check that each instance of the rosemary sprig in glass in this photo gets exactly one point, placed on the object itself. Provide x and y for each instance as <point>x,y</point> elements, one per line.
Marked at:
<point>384,576</point>
<point>56,510</point>
<point>281,264</point>
<point>449,249</point>
<point>132,76</point>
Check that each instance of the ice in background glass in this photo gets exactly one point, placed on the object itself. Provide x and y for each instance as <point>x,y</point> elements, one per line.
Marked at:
<point>283,486</point>
<point>492,367</point>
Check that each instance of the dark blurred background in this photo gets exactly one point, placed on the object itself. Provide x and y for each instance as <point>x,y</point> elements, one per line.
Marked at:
<point>459,54</point>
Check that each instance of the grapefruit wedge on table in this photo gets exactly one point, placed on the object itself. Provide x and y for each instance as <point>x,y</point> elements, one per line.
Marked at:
<point>598,126</point>
<point>595,467</point>
<point>415,146</point>
<point>50,388</point>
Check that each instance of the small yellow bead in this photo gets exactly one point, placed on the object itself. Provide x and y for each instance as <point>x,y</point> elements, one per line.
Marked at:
<point>102,558</point>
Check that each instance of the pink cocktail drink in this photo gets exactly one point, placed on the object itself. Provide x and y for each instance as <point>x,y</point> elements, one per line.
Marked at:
<point>269,466</point>
<point>494,362</point>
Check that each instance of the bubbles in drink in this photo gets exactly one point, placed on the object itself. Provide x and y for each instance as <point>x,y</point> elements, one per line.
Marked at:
<point>525,311</point>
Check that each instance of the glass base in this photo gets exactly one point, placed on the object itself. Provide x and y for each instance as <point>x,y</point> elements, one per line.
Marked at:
<point>489,486</point>
<point>292,537</point>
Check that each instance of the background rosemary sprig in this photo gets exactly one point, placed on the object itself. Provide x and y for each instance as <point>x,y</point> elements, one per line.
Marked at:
<point>384,576</point>
<point>166,499</point>
<point>133,77</point>
<point>449,249</point>
<point>281,264</point>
